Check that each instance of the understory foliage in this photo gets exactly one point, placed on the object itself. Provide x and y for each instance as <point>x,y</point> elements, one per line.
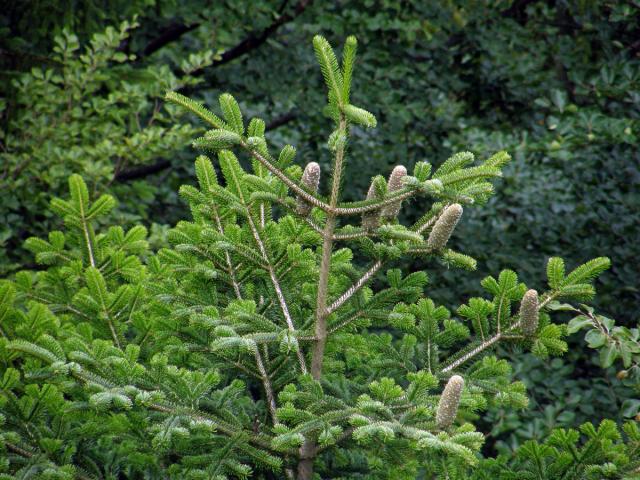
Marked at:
<point>275,338</point>
<point>90,111</point>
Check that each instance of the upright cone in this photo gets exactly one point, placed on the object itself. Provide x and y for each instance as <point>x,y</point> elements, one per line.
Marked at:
<point>371,220</point>
<point>395,183</point>
<point>449,402</point>
<point>529,313</point>
<point>311,181</point>
<point>444,227</point>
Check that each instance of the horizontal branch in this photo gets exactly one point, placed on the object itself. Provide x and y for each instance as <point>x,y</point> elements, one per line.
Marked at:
<point>316,202</point>
<point>20,451</point>
<point>281,120</point>
<point>169,34</point>
<point>345,322</point>
<point>256,39</point>
<point>27,454</point>
<point>143,171</point>
<point>80,374</point>
<point>480,348</point>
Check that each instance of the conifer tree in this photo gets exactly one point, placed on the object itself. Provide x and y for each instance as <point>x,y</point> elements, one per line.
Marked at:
<point>257,346</point>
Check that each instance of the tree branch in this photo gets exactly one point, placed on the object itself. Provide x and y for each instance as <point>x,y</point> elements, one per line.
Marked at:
<point>27,454</point>
<point>281,120</point>
<point>355,287</point>
<point>256,39</point>
<point>266,381</point>
<point>143,171</point>
<point>232,274</point>
<point>170,34</point>
<point>276,286</point>
<point>480,348</point>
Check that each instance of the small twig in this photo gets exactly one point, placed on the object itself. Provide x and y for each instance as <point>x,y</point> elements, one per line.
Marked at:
<point>266,381</point>
<point>480,348</point>
<point>355,287</point>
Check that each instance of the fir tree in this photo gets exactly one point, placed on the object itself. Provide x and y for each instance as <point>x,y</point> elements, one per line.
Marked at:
<point>256,346</point>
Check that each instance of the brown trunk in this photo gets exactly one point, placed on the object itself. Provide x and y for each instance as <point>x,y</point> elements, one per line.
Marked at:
<point>305,469</point>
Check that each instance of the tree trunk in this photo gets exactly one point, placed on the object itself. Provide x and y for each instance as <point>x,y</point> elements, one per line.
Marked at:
<point>305,469</point>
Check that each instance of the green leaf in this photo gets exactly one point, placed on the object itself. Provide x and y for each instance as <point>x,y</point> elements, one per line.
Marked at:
<point>79,192</point>
<point>359,116</point>
<point>467,174</point>
<point>630,407</point>
<point>348,61</point>
<point>454,163</point>
<point>329,66</point>
<point>555,272</point>
<point>588,271</point>
<point>216,140</point>
<point>578,323</point>
<point>206,173</point>
<point>232,113</point>
<point>101,206</point>
<point>608,355</point>
<point>595,338</point>
<point>579,291</point>
<point>422,170</point>
<point>195,108</point>
<point>7,296</point>
<point>97,286</point>
<point>286,157</point>
<point>256,128</point>
<point>459,260</point>
<point>560,307</point>
<point>10,379</point>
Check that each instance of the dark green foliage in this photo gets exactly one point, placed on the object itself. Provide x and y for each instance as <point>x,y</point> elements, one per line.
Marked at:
<point>257,343</point>
<point>590,453</point>
<point>552,82</point>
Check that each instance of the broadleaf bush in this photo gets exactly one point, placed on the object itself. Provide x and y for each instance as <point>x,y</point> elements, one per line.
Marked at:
<point>89,111</point>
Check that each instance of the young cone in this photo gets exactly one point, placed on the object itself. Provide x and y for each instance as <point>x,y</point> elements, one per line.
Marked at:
<point>371,220</point>
<point>449,402</point>
<point>311,181</point>
<point>444,227</point>
<point>395,183</point>
<point>529,313</point>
